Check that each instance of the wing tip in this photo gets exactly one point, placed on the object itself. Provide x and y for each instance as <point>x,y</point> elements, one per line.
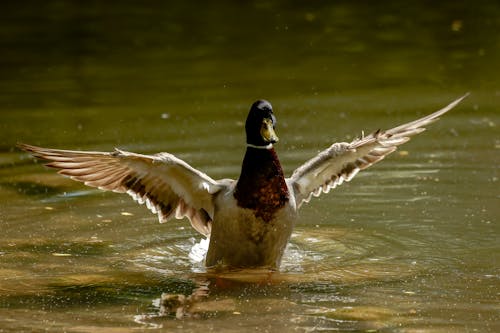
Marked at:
<point>26,147</point>
<point>456,102</point>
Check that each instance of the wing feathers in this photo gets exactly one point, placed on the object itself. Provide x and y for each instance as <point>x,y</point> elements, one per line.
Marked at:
<point>165,184</point>
<point>342,161</point>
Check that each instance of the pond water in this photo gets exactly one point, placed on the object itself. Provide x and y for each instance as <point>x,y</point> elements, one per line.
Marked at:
<point>410,245</point>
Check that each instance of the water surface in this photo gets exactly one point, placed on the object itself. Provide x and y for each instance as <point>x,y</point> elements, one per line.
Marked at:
<point>410,245</point>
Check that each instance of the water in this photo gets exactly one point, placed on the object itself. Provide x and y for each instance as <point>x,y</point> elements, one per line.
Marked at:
<point>410,245</point>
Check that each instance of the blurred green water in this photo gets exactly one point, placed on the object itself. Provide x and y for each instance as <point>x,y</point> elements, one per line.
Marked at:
<point>410,245</point>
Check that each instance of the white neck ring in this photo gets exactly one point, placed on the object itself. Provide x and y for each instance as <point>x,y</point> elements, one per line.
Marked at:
<point>269,146</point>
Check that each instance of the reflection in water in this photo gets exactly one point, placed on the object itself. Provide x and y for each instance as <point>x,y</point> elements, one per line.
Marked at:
<point>310,279</point>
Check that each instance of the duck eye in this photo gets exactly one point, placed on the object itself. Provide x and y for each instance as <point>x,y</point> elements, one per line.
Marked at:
<point>273,118</point>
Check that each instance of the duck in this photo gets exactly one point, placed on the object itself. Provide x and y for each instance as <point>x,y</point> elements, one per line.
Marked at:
<point>248,221</point>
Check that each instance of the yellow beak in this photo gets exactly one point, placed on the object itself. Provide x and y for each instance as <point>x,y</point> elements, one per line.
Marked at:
<point>267,131</point>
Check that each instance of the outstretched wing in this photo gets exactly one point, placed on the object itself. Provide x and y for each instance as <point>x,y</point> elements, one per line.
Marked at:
<point>342,161</point>
<point>166,184</point>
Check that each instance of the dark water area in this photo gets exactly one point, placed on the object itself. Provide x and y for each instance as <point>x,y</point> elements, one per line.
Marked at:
<point>410,245</point>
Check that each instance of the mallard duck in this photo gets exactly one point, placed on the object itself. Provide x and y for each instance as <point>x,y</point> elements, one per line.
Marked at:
<point>248,221</point>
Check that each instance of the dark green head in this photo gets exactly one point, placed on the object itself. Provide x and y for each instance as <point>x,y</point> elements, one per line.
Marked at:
<point>260,124</point>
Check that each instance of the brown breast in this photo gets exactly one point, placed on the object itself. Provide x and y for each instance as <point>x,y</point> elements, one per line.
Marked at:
<point>261,186</point>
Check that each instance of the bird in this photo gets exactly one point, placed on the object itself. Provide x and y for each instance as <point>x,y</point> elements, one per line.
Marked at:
<point>248,221</point>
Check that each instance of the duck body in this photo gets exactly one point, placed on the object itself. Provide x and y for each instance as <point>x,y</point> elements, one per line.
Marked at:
<point>249,220</point>
<point>255,215</point>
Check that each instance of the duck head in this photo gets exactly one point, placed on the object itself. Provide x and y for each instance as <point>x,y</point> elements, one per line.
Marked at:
<point>260,125</point>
